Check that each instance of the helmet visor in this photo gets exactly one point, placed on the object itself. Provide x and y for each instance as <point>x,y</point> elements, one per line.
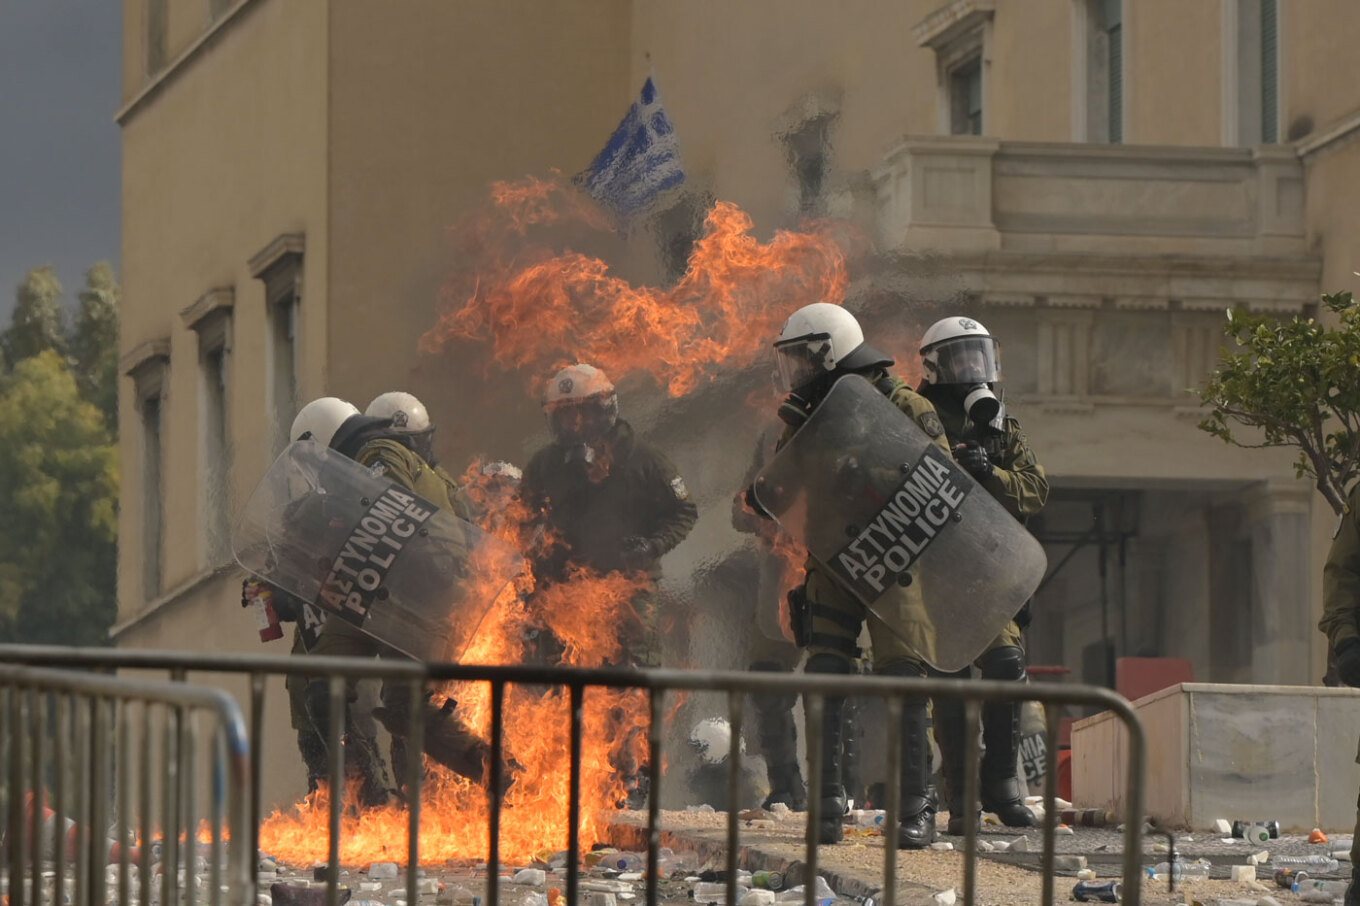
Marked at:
<point>966,360</point>
<point>584,421</point>
<point>801,361</point>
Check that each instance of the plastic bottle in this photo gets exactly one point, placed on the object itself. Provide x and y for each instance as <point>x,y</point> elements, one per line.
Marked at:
<point>1316,861</point>
<point>714,892</point>
<point>769,880</point>
<point>868,817</point>
<point>1335,888</point>
<point>625,861</point>
<point>825,895</point>
<point>1288,877</point>
<point>1198,869</point>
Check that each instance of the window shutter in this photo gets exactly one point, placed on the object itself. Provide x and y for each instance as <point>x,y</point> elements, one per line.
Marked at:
<point>1270,72</point>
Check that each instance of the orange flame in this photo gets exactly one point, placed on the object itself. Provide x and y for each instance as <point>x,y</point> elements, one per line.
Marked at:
<point>540,309</point>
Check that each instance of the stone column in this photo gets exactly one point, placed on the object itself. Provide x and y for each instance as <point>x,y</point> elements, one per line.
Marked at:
<point>1278,516</point>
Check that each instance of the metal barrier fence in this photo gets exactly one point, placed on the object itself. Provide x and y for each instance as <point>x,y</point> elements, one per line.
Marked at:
<point>72,734</point>
<point>658,684</point>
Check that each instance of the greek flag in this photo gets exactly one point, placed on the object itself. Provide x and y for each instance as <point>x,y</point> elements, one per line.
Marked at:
<point>641,160</point>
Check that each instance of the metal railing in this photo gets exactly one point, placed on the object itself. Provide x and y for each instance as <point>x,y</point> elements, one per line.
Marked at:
<point>658,684</point>
<point>71,734</point>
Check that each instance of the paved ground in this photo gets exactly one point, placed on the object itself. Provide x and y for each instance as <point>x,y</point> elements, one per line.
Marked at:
<point>854,868</point>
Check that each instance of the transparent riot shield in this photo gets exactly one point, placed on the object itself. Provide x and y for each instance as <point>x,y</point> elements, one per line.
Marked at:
<point>883,507</point>
<point>409,574</point>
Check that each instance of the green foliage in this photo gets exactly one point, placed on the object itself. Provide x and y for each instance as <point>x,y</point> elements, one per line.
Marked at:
<point>94,341</point>
<point>1298,384</point>
<point>59,497</point>
<point>38,322</point>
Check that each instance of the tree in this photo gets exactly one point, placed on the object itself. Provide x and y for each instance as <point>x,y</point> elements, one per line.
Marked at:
<point>1298,383</point>
<point>38,322</point>
<point>59,499</point>
<point>94,341</point>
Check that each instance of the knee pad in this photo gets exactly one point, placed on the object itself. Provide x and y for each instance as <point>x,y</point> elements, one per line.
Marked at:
<point>901,668</point>
<point>1004,663</point>
<point>824,662</point>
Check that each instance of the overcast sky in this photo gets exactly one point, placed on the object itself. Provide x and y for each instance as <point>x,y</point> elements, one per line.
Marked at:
<point>59,146</point>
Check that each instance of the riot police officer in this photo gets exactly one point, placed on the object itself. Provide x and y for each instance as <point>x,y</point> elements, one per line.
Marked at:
<point>609,501</point>
<point>960,360</point>
<point>389,450</point>
<point>819,344</point>
<point>1341,624</point>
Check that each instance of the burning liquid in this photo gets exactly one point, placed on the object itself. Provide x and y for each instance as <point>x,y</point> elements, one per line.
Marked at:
<point>537,309</point>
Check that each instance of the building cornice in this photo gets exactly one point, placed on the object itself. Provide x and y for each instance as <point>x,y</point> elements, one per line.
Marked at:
<point>1339,133</point>
<point>143,355</point>
<point>280,248</point>
<point>172,70</point>
<point>219,299</point>
<point>178,593</point>
<point>950,21</point>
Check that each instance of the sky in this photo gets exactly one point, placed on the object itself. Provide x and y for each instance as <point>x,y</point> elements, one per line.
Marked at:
<point>59,145</point>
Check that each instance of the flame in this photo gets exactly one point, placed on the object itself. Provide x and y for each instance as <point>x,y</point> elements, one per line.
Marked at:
<point>538,308</point>
<point>542,309</point>
<point>584,612</point>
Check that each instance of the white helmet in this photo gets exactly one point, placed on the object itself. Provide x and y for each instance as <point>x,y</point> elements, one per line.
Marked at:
<point>959,351</point>
<point>321,418</point>
<point>408,414</point>
<point>818,339</point>
<point>581,404</point>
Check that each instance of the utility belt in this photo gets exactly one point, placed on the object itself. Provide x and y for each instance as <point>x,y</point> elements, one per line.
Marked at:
<point>803,610</point>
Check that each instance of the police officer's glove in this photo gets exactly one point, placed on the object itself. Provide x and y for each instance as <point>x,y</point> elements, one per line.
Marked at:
<point>973,458</point>
<point>795,410</point>
<point>637,552</point>
<point>749,498</point>
<point>287,607</point>
<point>1348,662</point>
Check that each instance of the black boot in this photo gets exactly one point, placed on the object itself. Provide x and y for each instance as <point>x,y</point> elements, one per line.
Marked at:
<point>1353,890</point>
<point>786,786</point>
<point>917,829</point>
<point>1001,737</point>
<point>779,745</point>
<point>917,804</point>
<point>952,740</point>
<point>831,791</point>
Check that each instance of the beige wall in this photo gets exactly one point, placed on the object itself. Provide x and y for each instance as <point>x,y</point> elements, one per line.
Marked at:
<point>228,153</point>
<point>453,97</point>
<point>371,131</point>
<point>1171,72</point>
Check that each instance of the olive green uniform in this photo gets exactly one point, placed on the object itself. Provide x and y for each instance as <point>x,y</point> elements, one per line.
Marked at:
<point>1341,601</point>
<point>1018,481</point>
<point>642,497</point>
<point>447,740</point>
<point>908,635</point>
<point>1019,484</point>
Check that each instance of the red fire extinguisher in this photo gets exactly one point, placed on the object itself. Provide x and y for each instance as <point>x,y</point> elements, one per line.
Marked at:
<point>260,597</point>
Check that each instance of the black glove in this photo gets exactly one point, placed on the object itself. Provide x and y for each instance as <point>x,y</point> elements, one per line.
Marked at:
<point>973,458</point>
<point>749,498</point>
<point>637,552</point>
<point>1348,662</point>
<point>795,410</point>
<point>287,607</point>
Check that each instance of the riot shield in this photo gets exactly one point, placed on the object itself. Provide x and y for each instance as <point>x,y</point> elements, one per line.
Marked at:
<point>882,507</point>
<point>411,575</point>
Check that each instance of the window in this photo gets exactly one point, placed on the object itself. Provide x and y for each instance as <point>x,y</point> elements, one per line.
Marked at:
<point>1098,74</point>
<point>965,98</point>
<point>157,13</point>
<point>1270,72</point>
<point>960,34</point>
<point>807,148</point>
<point>279,266</point>
<point>210,318</point>
<point>147,365</point>
<point>153,535</point>
<point>1251,72</point>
